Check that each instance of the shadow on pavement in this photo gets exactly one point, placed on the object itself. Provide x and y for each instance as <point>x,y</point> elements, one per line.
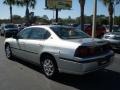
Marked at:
<point>28,64</point>
<point>99,80</point>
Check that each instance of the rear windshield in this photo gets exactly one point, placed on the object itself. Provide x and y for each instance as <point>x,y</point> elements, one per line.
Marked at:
<point>10,26</point>
<point>69,33</point>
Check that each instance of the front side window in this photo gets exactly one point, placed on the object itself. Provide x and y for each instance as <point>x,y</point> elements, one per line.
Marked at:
<point>24,34</point>
<point>69,33</point>
<point>39,33</point>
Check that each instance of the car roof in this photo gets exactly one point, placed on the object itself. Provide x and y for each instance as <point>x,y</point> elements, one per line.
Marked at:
<point>49,26</point>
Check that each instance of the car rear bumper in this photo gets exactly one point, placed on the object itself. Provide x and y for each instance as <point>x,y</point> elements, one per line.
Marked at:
<point>85,66</point>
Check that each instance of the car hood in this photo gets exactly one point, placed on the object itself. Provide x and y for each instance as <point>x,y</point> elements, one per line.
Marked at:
<point>89,41</point>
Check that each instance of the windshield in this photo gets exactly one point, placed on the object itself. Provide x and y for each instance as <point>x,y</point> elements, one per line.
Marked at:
<point>10,26</point>
<point>69,33</point>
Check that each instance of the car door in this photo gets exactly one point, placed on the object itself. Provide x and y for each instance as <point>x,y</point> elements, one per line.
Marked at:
<point>35,43</point>
<point>18,45</point>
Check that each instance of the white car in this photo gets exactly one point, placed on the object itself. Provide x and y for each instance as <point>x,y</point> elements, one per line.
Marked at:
<point>59,49</point>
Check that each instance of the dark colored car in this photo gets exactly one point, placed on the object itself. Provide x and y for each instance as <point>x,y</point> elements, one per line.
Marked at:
<point>8,30</point>
<point>114,38</point>
<point>100,30</point>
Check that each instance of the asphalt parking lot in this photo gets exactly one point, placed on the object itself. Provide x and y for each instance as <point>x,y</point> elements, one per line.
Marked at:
<point>19,75</point>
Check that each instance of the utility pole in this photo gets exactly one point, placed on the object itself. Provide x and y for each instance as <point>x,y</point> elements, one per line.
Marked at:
<point>57,15</point>
<point>114,14</point>
<point>94,19</point>
<point>53,17</point>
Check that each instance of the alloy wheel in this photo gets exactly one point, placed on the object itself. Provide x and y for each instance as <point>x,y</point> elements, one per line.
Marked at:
<point>8,51</point>
<point>49,67</point>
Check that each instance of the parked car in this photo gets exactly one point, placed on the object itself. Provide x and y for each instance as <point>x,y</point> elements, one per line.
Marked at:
<point>20,26</point>
<point>106,28</point>
<point>114,38</point>
<point>59,49</point>
<point>114,27</point>
<point>8,30</point>
<point>100,30</point>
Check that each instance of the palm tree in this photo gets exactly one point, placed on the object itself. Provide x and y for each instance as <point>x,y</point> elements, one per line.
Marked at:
<point>10,3</point>
<point>82,5</point>
<point>27,4</point>
<point>110,4</point>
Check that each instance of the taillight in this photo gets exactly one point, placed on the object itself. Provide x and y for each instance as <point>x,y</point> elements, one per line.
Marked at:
<point>82,51</point>
<point>89,51</point>
<point>92,51</point>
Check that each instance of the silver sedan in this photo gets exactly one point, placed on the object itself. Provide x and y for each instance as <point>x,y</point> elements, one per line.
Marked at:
<point>114,38</point>
<point>59,49</point>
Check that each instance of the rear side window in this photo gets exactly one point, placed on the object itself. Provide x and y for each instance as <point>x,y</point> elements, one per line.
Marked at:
<point>39,33</point>
<point>69,33</point>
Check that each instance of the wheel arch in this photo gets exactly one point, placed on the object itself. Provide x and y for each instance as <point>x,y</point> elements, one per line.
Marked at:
<point>48,54</point>
<point>6,43</point>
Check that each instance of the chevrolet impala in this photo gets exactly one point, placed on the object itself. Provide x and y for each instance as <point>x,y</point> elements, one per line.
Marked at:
<point>59,48</point>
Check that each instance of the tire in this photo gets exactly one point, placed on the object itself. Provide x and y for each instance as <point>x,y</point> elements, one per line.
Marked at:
<point>8,51</point>
<point>49,67</point>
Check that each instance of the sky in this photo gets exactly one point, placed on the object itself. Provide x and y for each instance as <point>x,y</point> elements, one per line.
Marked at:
<point>74,12</point>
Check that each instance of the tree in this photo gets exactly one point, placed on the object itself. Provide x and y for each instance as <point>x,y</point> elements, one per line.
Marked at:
<point>16,17</point>
<point>82,4</point>
<point>10,3</point>
<point>110,4</point>
<point>27,4</point>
